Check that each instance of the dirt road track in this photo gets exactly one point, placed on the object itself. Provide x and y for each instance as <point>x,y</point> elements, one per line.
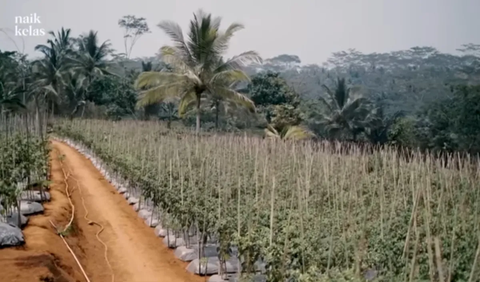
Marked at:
<point>135,253</point>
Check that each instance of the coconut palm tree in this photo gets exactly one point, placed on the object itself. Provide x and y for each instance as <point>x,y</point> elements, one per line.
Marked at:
<point>50,70</point>
<point>199,69</point>
<point>47,72</point>
<point>346,109</point>
<point>62,43</point>
<point>90,60</point>
<point>378,124</point>
<point>75,93</point>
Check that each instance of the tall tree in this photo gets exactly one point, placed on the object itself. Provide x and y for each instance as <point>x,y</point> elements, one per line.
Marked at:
<point>346,110</point>
<point>48,76</point>
<point>268,90</point>
<point>91,58</point>
<point>134,28</point>
<point>198,66</point>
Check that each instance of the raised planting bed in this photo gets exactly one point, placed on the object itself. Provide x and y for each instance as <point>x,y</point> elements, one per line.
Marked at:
<point>12,218</point>
<point>236,278</point>
<point>211,265</point>
<point>30,208</point>
<point>35,196</point>
<point>10,235</point>
<point>188,254</point>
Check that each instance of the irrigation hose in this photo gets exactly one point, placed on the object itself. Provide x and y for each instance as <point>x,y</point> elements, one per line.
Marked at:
<point>91,222</point>
<point>65,180</point>
<point>71,251</point>
<point>68,225</point>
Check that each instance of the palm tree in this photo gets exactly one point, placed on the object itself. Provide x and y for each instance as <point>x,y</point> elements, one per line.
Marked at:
<point>90,61</point>
<point>198,66</point>
<point>221,101</point>
<point>62,43</point>
<point>49,71</point>
<point>378,124</point>
<point>346,109</point>
<point>75,93</point>
<point>48,74</point>
<point>62,40</point>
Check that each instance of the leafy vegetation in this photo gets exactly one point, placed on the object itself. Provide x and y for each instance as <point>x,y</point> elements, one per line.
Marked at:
<point>383,185</point>
<point>356,97</point>
<point>198,66</point>
<point>23,162</point>
<point>310,214</point>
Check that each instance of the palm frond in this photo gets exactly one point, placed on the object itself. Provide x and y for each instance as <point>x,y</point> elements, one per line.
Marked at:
<point>49,89</point>
<point>271,132</point>
<point>353,107</point>
<point>186,102</point>
<point>161,93</point>
<point>174,57</point>
<point>327,101</point>
<point>234,96</point>
<point>174,31</point>
<point>297,133</point>
<point>202,34</point>
<point>240,61</point>
<point>222,41</point>
<point>154,79</point>
<point>229,77</point>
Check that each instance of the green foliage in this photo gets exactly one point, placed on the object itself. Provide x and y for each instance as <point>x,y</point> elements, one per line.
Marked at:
<point>23,160</point>
<point>116,93</point>
<point>454,124</point>
<point>74,78</point>
<point>310,214</point>
<point>268,88</point>
<point>348,111</point>
<point>10,91</point>
<point>276,101</point>
<point>198,67</point>
<point>403,133</point>
<point>285,115</point>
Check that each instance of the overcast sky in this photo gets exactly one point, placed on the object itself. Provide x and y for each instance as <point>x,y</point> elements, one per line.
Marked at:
<point>311,29</point>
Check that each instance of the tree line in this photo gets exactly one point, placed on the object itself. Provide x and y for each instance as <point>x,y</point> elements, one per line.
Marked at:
<point>417,98</point>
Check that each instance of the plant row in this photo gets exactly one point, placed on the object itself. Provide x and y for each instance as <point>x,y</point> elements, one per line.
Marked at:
<point>310,214</point>
<point>23,169</point>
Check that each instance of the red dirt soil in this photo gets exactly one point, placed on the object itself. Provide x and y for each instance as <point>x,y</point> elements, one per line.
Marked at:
<point>134,252</point>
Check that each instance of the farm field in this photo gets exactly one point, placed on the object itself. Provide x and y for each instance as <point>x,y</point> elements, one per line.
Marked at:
<point>230,206</point>
<point>149,148</point>
<point>134,252</point>
<point>308,213</point>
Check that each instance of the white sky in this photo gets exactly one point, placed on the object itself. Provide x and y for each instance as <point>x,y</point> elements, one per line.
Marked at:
<point>311,29</point>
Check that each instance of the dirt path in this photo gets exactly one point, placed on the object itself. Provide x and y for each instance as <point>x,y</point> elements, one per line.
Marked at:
<point>134,252</point>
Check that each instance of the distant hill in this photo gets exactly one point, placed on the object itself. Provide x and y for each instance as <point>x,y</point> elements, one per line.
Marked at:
<point>404,80</point>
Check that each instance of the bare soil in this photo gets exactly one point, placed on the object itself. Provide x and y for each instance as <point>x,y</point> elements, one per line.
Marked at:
<point>134,252</point>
